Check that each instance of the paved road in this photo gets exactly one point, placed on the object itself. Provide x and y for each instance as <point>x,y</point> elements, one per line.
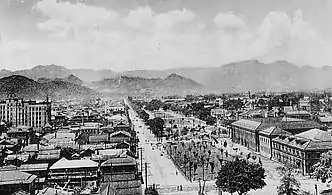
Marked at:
<point>161,170</point>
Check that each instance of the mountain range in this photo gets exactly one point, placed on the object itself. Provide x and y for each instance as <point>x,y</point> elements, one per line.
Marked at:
<point>241,76</point>
<point>172,84</point>
<point>23,87</point>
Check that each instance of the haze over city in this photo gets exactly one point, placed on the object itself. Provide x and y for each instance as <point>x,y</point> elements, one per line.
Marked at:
<point>132,34</point>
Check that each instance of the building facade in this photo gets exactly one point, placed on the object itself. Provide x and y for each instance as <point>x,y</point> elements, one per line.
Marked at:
<point>26,113</point>
<point>302,150</point>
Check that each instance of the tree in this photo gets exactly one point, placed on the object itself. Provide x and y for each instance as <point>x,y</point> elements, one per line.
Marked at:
<point>289,185</point>
<point>323,169</point>
<point>166,107</point>
<point>240,176</point>
<point>157,125</point>
<point>68,152</point>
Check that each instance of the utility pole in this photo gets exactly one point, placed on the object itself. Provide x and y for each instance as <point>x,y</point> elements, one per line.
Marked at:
<point>190,171</point>
<point>203,169</point>
<point>146,175</point>
<point>141,156</point>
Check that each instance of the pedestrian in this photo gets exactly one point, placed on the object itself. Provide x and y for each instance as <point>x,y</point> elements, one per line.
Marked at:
<point>176,172</point>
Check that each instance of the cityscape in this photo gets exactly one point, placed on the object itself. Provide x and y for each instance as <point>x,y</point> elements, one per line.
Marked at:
<point>165,97</point>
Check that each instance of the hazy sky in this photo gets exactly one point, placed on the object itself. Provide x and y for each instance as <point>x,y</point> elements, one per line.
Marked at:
<point>160,34</point>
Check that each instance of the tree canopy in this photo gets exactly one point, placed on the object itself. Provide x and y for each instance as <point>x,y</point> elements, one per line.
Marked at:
<point>323,169</point>
<point>289,185</point>
<point>240,176</point>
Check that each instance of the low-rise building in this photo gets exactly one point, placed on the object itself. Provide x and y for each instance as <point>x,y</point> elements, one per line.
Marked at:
<point>13,181</point>
<point>76,171</point>
<point>122,173</point>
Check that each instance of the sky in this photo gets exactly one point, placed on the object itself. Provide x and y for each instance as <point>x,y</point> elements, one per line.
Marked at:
<point>160,34</point>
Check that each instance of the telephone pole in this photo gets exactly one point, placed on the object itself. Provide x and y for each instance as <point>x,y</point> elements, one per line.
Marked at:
<point>203,169</point>
<point>146,175</point>
<point>141,157</point>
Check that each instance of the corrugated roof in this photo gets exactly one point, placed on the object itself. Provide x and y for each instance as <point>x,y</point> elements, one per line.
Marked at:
<point>15,177</point>
<point>68,164</point>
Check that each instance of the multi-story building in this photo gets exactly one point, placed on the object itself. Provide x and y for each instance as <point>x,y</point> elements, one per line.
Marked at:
<point>77,171</point>
<point>122,173</point>
<point>27,113</point>
<point>302,150</point>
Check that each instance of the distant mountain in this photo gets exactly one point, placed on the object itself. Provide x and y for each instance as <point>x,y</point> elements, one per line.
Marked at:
<point>173,84</point>
<point>89,75</point>
<point>59,72</point>
<point>242,76</point>
<point>252,75</point>
<point>70,79</point>
<point>24,87</point>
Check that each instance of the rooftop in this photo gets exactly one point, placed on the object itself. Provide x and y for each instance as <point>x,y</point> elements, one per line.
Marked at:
<point>316,135</point>
<point>16,177</point>
<point>248,124</point>
<point>119,161</point>
<point>72,164</point>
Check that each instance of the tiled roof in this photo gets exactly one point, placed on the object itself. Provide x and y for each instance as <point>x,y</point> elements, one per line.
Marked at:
<point>248,124</point>
<point>120,132</point>
<point>274,131</point>
<point>67,164</point>
<point>291,125</point>
<point>120,161</point>
<point>316,135</point>
<point>15,177</point>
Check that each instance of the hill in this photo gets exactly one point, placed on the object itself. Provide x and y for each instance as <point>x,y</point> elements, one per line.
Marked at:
<point>253,75</point>
<point>173,84</point>
<point>23,87</point>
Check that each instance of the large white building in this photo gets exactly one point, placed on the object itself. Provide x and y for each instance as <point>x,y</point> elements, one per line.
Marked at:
<point>26,113</point>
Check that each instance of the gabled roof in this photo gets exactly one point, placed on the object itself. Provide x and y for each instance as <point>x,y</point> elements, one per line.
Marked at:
<point>274,130</point>
<point>290,125</point>
<point>248,124</point>
<point>120,132</point>
<point>316,135</point>
<point>72,164</point>
<point>120,161</point>
<point>15,177</point>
